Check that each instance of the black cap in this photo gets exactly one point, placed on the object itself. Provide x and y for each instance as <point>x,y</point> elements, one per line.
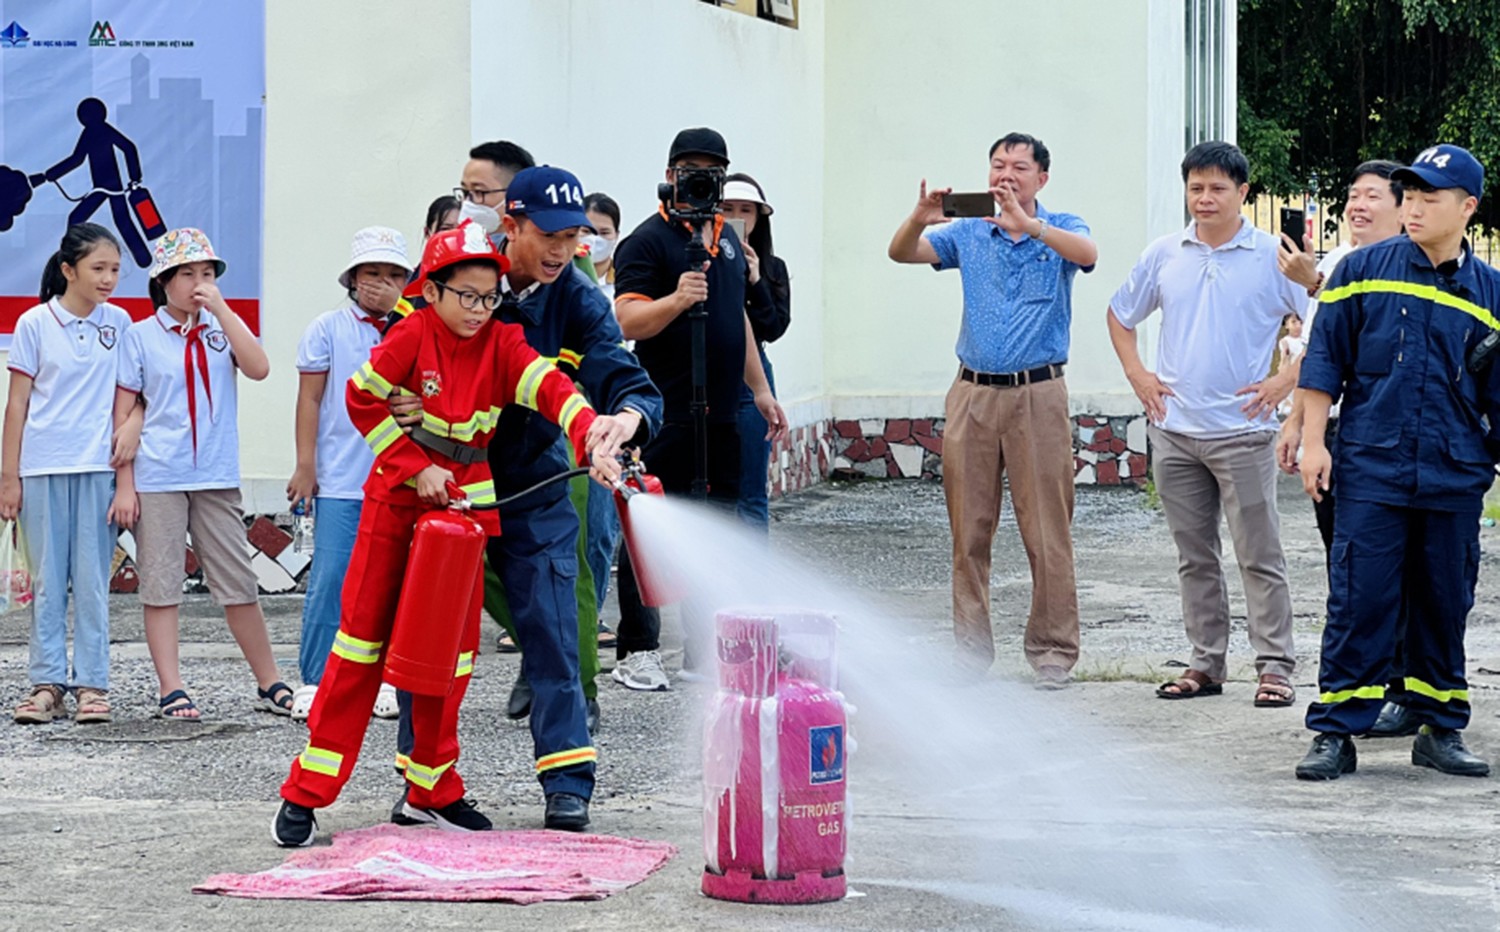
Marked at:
<point>700,140</point>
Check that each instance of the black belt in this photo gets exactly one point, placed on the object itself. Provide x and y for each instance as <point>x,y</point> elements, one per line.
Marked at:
<point>452,449</point>
<point>1012,379</point>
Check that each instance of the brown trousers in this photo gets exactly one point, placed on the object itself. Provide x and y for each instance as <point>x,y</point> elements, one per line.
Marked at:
<point>1236,476</point>
<point>1022,433</point>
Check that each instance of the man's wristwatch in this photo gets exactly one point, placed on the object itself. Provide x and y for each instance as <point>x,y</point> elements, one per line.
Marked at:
<point>1041,232</point>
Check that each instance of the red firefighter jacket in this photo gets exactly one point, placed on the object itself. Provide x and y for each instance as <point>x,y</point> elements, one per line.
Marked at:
<point>464,384</point>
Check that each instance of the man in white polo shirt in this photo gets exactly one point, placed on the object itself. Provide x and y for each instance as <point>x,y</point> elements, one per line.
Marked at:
<point>1211,407</point>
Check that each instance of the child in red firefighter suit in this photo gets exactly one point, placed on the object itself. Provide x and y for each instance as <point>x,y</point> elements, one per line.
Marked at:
<point>467,369</point>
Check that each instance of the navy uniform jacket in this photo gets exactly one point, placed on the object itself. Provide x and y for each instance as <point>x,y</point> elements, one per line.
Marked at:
<point>1393,337</point>
<point>569,321</point>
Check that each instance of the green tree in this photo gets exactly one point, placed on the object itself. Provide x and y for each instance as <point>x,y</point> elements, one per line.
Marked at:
<point>1327,84</point>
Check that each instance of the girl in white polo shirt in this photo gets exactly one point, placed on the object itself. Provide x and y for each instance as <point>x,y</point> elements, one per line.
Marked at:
<point>183,362</point>
<point>55,472</point>
<point>333,459</point>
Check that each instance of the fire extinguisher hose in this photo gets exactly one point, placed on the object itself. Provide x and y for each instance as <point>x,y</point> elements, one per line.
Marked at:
<point>560,477</point>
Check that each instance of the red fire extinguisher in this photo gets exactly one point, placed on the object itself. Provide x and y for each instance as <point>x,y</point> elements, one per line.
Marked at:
<point>655,586</point>
<point>447,552</point>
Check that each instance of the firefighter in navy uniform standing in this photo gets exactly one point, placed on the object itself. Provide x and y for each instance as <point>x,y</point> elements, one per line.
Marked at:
<point>1404,335</point>
<point>656,292</point>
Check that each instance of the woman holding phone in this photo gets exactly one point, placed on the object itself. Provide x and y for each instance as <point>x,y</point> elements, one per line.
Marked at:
<point>768,304</point>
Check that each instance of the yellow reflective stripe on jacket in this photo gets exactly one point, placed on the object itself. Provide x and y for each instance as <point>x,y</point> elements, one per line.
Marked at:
<point>1413,290</point>
<point>1414,685</point>
<point>382,435</point>
<point>321,760</point>
<point>401,761</point>
<point>478,423</point>
<point>465,664</point>
<point>571,357</point>
<point>365,378</point>
<point>570,410</point>
<point>566,759</point>
<point>1362,692</point>
<point>424,776</point>
<point>530,382</point>
<point>356,650</point>
<point>480,493</point>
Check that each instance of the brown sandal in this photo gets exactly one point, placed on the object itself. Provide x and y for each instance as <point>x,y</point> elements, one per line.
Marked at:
<point>93,706</point>
<point>43,705</point>
<point>1191,685</point>
<point>1275,692</point>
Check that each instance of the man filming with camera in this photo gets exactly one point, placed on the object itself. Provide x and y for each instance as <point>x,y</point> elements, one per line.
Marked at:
<point>680,268</point>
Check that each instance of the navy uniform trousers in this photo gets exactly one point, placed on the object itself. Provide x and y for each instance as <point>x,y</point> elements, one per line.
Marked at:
<point>1380,554</point>
<point>536,557</point>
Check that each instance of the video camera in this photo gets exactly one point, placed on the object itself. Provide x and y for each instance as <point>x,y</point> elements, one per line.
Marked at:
<point>695,195</point>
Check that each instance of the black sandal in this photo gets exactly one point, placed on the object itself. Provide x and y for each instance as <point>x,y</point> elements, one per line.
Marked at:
<point>175,702</point>
<point>268,701</point>
<point>1191,685</point>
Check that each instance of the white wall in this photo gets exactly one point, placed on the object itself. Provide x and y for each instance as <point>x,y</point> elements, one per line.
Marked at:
<point>366,122</point>
<point>922,92</point>
<point>600,87</point>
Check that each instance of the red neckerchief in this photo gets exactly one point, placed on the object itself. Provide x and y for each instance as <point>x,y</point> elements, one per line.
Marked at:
<point>194,337</point>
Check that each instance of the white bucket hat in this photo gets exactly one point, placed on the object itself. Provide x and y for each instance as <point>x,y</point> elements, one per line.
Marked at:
<point>376,244</point>
<point>745,191</point>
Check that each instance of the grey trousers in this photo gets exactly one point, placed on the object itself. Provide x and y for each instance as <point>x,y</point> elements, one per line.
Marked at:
<point>1197,480</point>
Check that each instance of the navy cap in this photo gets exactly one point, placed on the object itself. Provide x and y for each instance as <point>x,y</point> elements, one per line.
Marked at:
<point>1444,166</point>
<point>699,140</point>
<point>549,197</point>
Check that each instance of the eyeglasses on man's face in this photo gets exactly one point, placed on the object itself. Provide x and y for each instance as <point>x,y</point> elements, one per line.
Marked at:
<point>478,195</point>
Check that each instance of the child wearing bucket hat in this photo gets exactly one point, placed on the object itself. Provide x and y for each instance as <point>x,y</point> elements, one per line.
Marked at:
<point>183,363</point>
<point>333,459</point>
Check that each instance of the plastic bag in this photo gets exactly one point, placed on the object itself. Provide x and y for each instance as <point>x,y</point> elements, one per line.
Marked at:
<point>15,573</point>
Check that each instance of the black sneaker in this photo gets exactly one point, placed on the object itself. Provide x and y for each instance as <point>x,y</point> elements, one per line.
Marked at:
<point>398,812</point>
<point>294,825</point>
<point>457,816</point>
<point>567,812</point>
<point>1330,757</point>
<point>1443,750</point>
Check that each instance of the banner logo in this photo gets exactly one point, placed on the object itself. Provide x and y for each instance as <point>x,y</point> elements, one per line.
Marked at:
<point>103,34</point>
<point>13,36</point>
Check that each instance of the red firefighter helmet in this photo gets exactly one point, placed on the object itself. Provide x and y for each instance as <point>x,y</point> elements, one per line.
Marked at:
<point>464,243</point>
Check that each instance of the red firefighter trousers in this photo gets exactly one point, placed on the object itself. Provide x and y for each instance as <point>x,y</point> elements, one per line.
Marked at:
<point>341,712</point>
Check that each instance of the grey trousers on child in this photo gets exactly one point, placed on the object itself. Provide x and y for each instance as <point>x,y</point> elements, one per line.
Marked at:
<point>1197,480</point>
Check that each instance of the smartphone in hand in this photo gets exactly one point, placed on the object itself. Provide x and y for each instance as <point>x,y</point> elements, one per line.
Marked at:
<point>1294,225</point>
<point>980,204</point>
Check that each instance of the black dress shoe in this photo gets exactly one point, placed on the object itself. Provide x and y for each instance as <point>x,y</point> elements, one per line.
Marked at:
<point>567,812</point>
<point>1330,757</point>
<point>1443,749</point>
<point>519,704</point>
<point>591,715</point>
<point>1395,721</point>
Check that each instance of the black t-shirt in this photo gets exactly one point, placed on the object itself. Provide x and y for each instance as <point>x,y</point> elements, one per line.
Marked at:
<point>648,264</point>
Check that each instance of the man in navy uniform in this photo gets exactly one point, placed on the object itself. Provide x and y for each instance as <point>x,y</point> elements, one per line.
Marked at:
<point>1403,336</point>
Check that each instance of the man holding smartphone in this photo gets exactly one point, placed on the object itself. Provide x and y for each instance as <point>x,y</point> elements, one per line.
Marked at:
<point>1007,411</point>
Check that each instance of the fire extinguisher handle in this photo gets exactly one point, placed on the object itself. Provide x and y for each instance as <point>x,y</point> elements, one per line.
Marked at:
<point>456,496</point>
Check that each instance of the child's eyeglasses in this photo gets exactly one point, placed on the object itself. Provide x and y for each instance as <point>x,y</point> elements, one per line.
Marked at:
<point>469,300</point>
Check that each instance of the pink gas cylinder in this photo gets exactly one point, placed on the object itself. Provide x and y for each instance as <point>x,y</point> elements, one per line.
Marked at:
<point>774,752</point>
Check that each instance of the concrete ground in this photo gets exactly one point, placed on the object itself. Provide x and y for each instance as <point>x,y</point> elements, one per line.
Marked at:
<point>975,805</point>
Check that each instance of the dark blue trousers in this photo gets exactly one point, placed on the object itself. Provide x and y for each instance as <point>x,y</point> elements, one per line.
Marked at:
<point>1382,553</point>
<point>536,557</point>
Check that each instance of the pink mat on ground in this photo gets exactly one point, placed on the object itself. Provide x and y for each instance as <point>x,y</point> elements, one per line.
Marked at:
<point>389,862</point>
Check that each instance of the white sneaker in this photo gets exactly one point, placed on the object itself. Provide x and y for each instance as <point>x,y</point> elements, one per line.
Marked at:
<point>302,701</point>
<point>642,670</point>
<point>386,704</point>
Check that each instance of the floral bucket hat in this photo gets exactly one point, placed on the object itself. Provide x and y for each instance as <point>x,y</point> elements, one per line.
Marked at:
<point>182,246</point>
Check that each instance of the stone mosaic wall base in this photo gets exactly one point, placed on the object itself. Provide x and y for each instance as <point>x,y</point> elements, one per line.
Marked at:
<point>1107,450</point>
<point>278,566</point>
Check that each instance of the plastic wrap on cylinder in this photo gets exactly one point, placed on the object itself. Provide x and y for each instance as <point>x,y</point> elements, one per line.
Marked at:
<point>747,652</point>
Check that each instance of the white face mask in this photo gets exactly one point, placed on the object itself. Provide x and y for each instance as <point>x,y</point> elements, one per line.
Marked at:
<point>600,249</point>
<point>484,216</point>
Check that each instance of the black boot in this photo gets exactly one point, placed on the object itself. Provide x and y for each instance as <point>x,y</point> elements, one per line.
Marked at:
<point>567,812</point>
<point>519,704</point>
<point>1330,757</point>
<point>1395,721</point>
<point>1443,749</point>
